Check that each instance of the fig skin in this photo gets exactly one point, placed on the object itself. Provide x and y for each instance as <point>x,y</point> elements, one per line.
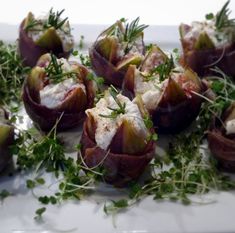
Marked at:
<point>113,68</point>
<point>30,52</point>
<point>5,155</point>
<point>120,169</point>
<point>176,108</point>
<point>202,60</point>
<point>45,118</point>
<point>173,117</point>
<point>104,68</point>
<point>222,146</point>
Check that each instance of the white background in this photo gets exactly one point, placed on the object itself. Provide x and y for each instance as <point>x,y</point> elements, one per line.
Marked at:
<point>152,12</point>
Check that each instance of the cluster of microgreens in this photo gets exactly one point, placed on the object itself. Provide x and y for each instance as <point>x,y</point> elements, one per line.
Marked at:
<point>12,74</point>
<point>53,20</point>
<point>184,171</point>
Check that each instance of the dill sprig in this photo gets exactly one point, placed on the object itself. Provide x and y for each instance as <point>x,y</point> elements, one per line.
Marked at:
<point>121,109</point>
<point>55,72</point>
<point>12,74</point>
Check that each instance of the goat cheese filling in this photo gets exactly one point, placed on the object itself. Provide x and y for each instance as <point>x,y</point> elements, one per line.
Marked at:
<point>219,38</point>
<point>53,94</point>
<point>230,127</point>
<point>106,128</point>
<point>150,90</point>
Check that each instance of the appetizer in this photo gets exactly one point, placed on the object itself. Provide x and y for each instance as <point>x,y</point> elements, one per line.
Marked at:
<point>116,48</point>
<point>57,89</point>
<point>221,139</point>
<point>6,139</point>
<point>115,136</point>
<point>46,34</point>
<point>170,93</point>
<point>210,43</point>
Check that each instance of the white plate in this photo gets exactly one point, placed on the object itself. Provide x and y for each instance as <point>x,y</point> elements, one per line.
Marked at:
<point>87,216</point>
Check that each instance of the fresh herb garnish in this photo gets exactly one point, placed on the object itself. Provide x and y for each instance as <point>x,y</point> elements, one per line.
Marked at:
<point>128,33</point>
<point>163,70</point>
<point>54,19</point>
<point>55,72</point>
<point>31,24</point>
<point>100,86</point>
<point>121,109</point>
<point>222,20</point>
<point>184,170</point>
<point>12,74</point>
<point>39,212</point>
<point>132,32</point>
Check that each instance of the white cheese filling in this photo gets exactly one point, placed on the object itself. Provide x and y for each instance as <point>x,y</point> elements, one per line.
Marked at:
<point>218,38</point>
<point>107,127</point>
<point>150,91</point>
<point>230,127</point>
<point>52,95</point>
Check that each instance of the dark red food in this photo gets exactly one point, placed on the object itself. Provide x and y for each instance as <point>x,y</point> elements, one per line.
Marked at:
<point>222,146</point>
<point>119,168</point>
<point>71,113</point>
<point>203,60</point>
<point>30,52</point>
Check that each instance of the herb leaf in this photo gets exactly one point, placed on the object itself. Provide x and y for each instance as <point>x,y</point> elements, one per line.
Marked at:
<point>222,18</point>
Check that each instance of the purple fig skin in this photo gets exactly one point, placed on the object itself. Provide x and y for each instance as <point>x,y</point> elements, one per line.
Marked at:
<point>30,52</point>
<point>222,146</point>
<point>120,169</point>
<point>5,155</point>
<point>223,149</point>
<point>45,118</point>
<point>173,119</point>
<point>104,68</point>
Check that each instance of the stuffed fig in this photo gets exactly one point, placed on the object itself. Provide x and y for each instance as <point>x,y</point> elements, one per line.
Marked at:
<point>210,43</point>
<point>169,92</point>
<point>115,136</point>
<point>57,89</point>
<point>116,48</point>
<point>49,33</point>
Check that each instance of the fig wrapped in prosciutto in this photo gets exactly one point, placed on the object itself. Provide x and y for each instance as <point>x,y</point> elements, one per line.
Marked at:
<point>170,93</point>
<point>115,137</point>
<point>221,139</point>
<point>6,139</point>
<point>57,89</point>
<point>46,34</point>
<point>210,43</point>
<point>116,48</point>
